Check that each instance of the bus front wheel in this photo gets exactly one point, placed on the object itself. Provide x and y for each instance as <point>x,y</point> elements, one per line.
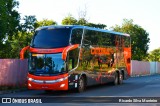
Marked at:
<point>81,84</point>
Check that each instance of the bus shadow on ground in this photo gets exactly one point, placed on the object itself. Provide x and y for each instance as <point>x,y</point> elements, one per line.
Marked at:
<point>89,89</point>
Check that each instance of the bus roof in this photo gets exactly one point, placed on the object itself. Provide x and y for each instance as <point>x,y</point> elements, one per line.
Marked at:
<point>84,27</point>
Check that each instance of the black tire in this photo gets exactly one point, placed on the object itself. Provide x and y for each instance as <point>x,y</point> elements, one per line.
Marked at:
<point>116,79</point>
<point>120,79</point>
<point>81,85</point>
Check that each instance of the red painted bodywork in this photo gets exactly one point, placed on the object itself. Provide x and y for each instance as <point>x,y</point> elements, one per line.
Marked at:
<point>23,51</point>
<point>127,56</point>
<point>45,86</point>
<point>68,48</point>
<point>46,51</point>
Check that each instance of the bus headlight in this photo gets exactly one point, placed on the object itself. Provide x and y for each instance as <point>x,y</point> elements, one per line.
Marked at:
<point>30,79</point>
<point>59,80</point>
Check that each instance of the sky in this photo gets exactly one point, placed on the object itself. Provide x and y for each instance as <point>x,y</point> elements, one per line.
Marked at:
<point>145,13</point>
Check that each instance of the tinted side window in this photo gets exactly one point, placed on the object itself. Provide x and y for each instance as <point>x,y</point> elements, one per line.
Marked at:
<point>106,39</point>
<point>90,38</point>
<point>100,38</point>
<point>76,36</point>
<point>118,41</point>
<point>72,59</point>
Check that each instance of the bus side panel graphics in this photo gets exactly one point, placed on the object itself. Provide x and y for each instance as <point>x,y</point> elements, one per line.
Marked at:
<point>127,53</point>
<point>98,66</point>
<point>127,56</point>
<point>102,54</point>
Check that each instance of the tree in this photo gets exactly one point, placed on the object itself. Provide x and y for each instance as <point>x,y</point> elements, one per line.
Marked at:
<point>82,21</point>
<point>154,55</point>
<point>139,38</point>
<point>9,19</point>
<point>28,25</point>
<point>69,20</point>
<point>44,22</point>
<point>101,26</point>
<point>24,36</point>
<point>9,24</point>
<point>21,39</point>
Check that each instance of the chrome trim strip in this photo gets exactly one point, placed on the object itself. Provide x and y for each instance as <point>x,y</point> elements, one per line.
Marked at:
<point>49,81</point>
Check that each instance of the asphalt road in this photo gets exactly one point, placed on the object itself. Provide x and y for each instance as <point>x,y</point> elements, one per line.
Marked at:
<point>132,88</point>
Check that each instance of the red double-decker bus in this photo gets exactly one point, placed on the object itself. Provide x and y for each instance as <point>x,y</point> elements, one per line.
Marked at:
<point>74,57</point>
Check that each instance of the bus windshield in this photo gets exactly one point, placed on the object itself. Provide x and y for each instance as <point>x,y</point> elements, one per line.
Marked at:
<point>51,38</point>
<point>46,64</point>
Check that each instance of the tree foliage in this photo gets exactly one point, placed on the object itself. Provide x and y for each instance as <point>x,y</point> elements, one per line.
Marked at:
<point>154,55</point>
<point>44,22</point>
<point>15,35</point>
<point>101,26</point>
<point>82,21</point>
<point>139,38</point>
<point>70,20</point>
<point>25,35</point>
<point>9,24</point>
<point>22,38</point>
<point>28,25</point>
<point>9,19</point>
<point>18,42</point>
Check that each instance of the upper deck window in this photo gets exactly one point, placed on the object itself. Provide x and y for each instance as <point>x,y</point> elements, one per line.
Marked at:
<point>51,38</point>
<point>76,36</point>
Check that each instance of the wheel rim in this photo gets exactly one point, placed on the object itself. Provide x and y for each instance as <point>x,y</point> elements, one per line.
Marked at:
<point>116,80</point>
<point>120,78</point>
<point>81,85</point>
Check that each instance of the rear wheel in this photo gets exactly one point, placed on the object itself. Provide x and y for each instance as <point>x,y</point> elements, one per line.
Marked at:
<point>116,79</point>
<point>120,79</point>
<point>81,85</point>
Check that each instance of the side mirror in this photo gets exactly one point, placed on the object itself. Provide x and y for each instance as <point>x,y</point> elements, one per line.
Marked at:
<point>23,51</point>
<point>67,49</point>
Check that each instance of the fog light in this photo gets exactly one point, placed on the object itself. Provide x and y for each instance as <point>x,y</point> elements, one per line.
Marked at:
<point>62,85</point>
<point>29,85</point>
